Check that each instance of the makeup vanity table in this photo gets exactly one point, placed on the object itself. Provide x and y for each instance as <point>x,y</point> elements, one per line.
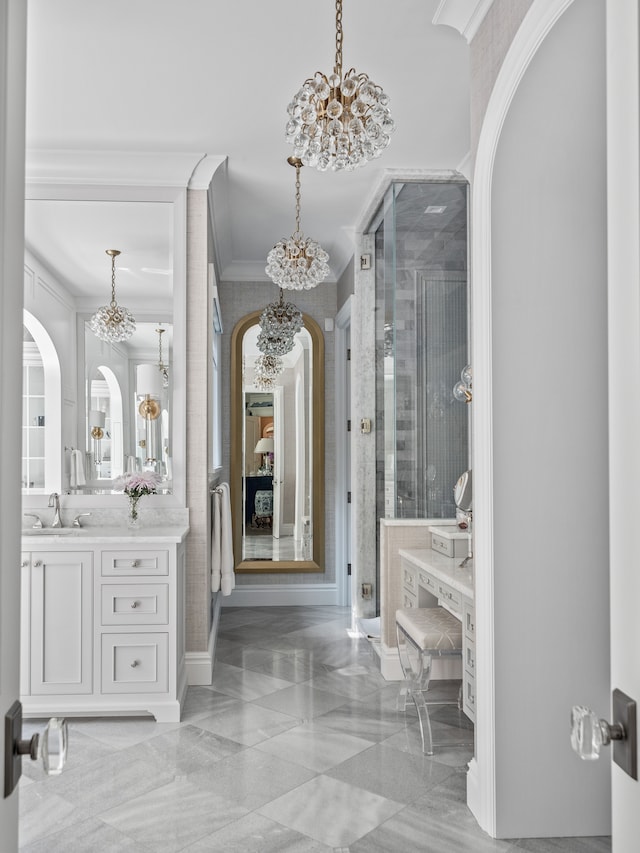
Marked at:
<point>430,579</point>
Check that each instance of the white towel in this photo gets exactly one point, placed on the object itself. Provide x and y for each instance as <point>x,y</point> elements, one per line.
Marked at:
<point>76,469</point>
<point>223,576</point>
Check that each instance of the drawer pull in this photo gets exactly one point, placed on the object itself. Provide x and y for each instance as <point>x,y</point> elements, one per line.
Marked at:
<point>134,664</point>
<point>134,605</point>
<point>134,563</point>
<point>38,563</point>
<point>25,563</point>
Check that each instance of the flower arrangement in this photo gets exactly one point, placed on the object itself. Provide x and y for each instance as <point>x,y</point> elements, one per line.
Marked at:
<point>135,485</point>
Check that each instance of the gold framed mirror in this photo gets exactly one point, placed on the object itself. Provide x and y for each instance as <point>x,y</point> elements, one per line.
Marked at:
<point>277,455</point>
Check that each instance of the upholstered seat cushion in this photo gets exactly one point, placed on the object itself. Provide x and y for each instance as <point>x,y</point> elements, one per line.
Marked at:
<point>431,627</point>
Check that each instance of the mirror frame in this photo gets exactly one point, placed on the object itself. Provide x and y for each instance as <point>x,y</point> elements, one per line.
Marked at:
<point>316,564</point>
<point>52,190</point>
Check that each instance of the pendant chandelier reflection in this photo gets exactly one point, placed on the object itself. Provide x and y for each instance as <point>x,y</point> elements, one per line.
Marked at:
<point>269,366</point>
<point>338,122</point>
<point>162,367</point>
<point>113,323</point>
<point>264,383</point>
<point>279,323</point>
<point>297,263</point>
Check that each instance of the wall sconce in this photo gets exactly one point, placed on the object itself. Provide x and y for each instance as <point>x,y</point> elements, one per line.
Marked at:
<point>148,386</point>
<point>96,422</point>
<point>463,390</point>
<point>265,446</point>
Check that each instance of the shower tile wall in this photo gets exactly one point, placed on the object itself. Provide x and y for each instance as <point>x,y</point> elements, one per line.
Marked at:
<point>421,312</point>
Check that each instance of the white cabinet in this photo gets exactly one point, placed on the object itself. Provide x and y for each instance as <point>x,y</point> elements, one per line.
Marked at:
<point>103,628</point>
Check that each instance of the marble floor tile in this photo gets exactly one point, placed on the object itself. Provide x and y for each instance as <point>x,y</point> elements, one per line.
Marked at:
<point>257,834</point>
<point>355,681</point>
<point>120,732</point>
<point>244,683</point>
<point>86,837</point>
<point>186,750</point>
<point>41,812</point>
<point>370,722</point>
<point>301,700</point>
<point>202,701</point>
<point>248,657</point>
<point>388,773</point>
<point>293,668</point>
<point>304,746</point>
<point>83,750</point>
<point>331,811</point>
<point>252,778</point>
<point>566,845</point>
<point>169,818</point>
<point>247,723</point>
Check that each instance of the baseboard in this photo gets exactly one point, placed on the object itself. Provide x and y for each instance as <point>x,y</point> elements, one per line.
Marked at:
<point>199,665</point>
<point>282,595</point>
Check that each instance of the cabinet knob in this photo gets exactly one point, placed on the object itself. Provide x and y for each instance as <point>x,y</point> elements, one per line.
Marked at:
<point>38,563</point>
<point>24,564</point>
<point>134,563</point>
<point>134,605</point>
<point>134,664</point>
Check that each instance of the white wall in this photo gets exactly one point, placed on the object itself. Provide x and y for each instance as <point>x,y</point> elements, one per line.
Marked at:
<point>549,412</point>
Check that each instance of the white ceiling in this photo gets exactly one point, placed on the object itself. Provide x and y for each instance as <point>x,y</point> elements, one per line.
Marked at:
<point>215,76</point>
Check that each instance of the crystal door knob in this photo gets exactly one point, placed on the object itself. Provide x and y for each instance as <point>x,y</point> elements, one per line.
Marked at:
<point>54,746</point>
<point>589,733</point>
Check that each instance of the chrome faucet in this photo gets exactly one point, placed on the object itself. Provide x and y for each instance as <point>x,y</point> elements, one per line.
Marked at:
<point>37,524</point>
<point>54,501</point>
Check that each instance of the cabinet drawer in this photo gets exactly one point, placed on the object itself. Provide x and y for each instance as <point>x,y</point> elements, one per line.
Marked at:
<point>449,596</point>
<point>469,697</point>
<point>470,657</point>
<point>135,663</point>
<point>135,562</point>
<point>427,582</point>
<point>142,604</point>
<point>408,599</point>
<point>409,579</point>
<point>469,619</point>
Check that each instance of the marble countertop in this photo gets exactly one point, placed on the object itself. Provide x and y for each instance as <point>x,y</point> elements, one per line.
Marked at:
<point>104,535</point>
<point>446,569</point>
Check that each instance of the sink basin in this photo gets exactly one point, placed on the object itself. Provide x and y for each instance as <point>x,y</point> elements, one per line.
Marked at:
<point>50,531</point>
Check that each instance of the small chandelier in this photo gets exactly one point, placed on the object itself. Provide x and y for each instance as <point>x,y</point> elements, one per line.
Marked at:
<point>113,323</point>
<point>279,323</point>
<point>338,122</point>
<point>264,383</point>
<point>269,366</point>
<point>297,263</point>
<point>162,367</point>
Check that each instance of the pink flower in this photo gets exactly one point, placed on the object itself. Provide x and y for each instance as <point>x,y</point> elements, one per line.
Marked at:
<point>136,484</point>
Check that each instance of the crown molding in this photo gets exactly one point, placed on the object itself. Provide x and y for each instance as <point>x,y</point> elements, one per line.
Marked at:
<point>465,16</point>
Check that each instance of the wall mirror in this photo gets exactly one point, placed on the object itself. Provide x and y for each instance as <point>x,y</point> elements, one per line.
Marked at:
<point>277,454</point>
<point>67,230</point>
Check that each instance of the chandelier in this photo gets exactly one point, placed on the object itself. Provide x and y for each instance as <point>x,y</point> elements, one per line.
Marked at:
<point>269,366</point>
<point>113,323</point>
<point>264,383</point>
<point>162,367</point>
<point>339,122</point>
<point>279,323</point>
<point>297,263</point>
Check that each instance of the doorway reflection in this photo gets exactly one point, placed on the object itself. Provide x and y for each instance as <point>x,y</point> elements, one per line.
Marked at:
<point>276,455</point>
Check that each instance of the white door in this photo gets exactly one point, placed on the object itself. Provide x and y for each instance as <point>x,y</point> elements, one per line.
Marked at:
<point>278,463</point>
<point>12,113</point>
<point>623,143</point>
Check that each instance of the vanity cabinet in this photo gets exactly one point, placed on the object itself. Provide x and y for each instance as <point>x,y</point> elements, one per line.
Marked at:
<point>430,579</point>
<point>103,627</point>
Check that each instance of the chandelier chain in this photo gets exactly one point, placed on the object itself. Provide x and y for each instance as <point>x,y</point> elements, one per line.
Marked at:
<point>339,38</point>
<point>297,231</point>
<point>113,281</point>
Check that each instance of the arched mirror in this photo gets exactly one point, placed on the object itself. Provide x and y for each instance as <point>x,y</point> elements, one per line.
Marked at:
<point>277,454</point>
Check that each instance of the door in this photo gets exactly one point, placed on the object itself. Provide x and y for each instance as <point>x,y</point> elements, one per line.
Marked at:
<point>623,144</point>
<point>12,116</point>
<point>278,463</point>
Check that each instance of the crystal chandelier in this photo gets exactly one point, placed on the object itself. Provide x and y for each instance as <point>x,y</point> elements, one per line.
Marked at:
<point>338,122</point>
<point>264,383</point>
<point>162,367</point>
<point>269,366</point>
<point>297,263</point>
<point>113,323</point>
<point>279,323</point>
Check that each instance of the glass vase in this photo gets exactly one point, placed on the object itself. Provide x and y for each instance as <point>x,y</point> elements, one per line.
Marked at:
<point>133,520</point>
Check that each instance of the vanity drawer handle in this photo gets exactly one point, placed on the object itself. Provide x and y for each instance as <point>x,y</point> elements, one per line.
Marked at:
<point>134,664</point>
<point>38,563</point>
<point>134,605</point>
<point>134,563</point>
<point>25,563</point>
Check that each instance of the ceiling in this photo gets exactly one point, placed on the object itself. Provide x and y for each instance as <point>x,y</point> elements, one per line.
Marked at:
<point>215,77</point>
